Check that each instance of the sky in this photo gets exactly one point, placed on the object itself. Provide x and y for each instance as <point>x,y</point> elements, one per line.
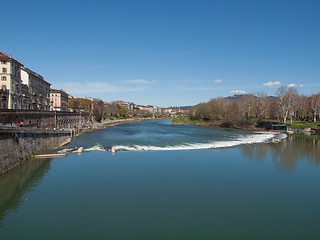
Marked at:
<point>166,52</point>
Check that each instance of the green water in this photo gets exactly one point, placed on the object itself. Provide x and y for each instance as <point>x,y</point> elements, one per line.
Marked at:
<point>256,191</point>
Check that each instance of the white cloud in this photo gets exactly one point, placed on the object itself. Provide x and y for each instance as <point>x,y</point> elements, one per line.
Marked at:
<point>218,81</point>
<point>139,81</point>
<point>271,84</point>
<point>97,87</point>
<point>294,85</point>
<point>238,91</point>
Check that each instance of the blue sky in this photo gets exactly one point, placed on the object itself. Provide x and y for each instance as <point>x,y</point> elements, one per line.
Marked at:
<point>166,52</point>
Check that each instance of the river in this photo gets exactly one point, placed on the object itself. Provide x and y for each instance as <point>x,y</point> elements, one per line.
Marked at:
<point>167,182</point>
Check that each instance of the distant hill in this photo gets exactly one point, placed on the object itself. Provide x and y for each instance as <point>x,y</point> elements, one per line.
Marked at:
<point>272,98</point>
<point>183,107</point>
<point>237,97</point>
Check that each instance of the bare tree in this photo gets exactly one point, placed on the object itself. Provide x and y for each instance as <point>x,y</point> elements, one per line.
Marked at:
<point>314,102</point>
<point>287,104</point>
<point>282,103</point>
<point>302,107</point>
<point>261,106</point>
<point>292,97</point>
<point>247,105</point>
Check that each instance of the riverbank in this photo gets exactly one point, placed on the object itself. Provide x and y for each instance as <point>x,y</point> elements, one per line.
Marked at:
<point>248,126</point>
<point>219,124</point>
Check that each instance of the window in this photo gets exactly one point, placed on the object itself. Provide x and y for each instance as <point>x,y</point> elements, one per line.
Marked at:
<point>4,70</point>
<point>4,87</point>
<point>4,78</point>
<point>4,62</point>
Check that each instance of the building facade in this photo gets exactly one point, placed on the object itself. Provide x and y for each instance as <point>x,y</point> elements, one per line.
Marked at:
<point>58,100</point>
<point>39,90</point>
<point>10,80</point>
<point>129,105</point>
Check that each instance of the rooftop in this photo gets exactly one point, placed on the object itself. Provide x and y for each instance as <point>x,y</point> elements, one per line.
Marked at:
<point>34,73</point>
<point>4,56</point>
<point>57,91</point>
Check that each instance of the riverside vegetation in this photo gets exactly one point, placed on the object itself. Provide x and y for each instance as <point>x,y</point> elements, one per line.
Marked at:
<point>102,111</point>
<point>248,110</point>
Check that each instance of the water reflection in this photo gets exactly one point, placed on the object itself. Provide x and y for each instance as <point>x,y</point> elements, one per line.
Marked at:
<point>286,154</point>
<point>17,182</point>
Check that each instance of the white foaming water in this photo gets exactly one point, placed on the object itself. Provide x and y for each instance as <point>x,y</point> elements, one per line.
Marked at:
<point>95,148</point>
<point>281,136</point>
<point>250,139</point>
<point>66,150</point>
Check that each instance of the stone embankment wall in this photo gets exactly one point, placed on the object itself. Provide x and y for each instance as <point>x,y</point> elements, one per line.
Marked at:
<point>44,119</point>
<point>17,145</point>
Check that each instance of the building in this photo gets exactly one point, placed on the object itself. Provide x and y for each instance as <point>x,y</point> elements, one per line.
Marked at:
<point>128,105</point>
<point>25,101</point>
<point>174,111</point>
<point>21,88</point>
<point>10,79</point>
<point>39,90</point>
<point>58,100</point>
<point>121,103</point>
<point>91,99</point>
<point>153,110</point>
<point>131,107</point>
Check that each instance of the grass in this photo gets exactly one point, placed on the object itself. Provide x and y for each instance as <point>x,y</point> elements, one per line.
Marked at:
<point>304,124</point>
<point>180,120</point>
<point>299,124</point>
<point>295,123</point>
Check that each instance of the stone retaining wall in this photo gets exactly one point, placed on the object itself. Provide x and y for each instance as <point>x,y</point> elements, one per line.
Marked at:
<point>17,145</point>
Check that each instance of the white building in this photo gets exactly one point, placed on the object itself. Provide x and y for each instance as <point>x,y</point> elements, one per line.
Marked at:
<point>10,79</point>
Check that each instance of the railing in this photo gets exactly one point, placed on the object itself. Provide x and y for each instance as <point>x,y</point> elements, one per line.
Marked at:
<point>41,111</point>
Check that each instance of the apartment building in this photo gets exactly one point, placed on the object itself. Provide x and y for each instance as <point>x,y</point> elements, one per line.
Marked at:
<point>39,90</point>
<point>58,100</point>
<point>129,105</point>
<point>20,87</point>
<point>10,80</point>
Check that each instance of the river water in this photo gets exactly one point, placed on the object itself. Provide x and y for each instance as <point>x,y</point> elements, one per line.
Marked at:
<point>167,182</point>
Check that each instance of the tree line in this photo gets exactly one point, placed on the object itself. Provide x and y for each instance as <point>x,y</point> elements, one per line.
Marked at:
<point>98,108</point>
<point>251,108</point>
<point>105,111</point>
